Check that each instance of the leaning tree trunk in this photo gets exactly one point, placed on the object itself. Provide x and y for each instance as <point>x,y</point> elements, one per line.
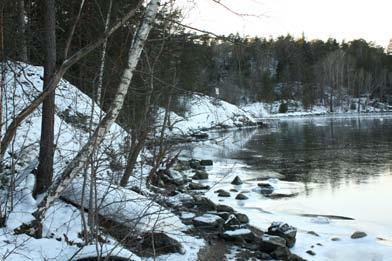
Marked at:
<point>77,164</point>
<point>46,153</point>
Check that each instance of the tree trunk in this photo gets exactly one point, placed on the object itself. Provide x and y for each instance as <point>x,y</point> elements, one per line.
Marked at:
<point>46,153</point>
<point>77,164</point>
<point>22,52</point>
<point>136,148</point>
<point>103,55</point>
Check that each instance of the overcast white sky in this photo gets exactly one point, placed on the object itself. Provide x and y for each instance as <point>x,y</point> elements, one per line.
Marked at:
<point>340,19</point>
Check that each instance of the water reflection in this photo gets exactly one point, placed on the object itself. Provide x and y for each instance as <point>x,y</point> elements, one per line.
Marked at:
<point>323,150</point>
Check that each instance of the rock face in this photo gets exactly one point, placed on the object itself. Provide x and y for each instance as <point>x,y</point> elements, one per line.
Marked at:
<point>208,221</point>
<point>358,234</point>
<point>285,231</point>
<point>241,196</point>
<point>200,174</point>
<point>237,181</point>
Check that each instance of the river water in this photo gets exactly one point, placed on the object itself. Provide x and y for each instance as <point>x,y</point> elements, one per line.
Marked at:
<point>340,166</point>
<point>350,158</point>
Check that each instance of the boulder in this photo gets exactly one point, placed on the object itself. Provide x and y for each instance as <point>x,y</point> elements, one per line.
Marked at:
<point>224,215</point>
<point>197,186</point>
<point>285,231</point>
<point>200,174</point>
<point>358,234</point>
<point>241,196</point>
<point>195,164</point>
<point>224,208</point>
<point>268,243</point>
<point>208,221</point>
<point>265,188</point>
<point>206,163</point>
<point>204,204</point>
<point>223,193</point>
<point>150,243</point>
<point>241,235</point>
<point>281,253</point>
<point>237,181</point>
<point>242,218</point>
<point>232,221</point>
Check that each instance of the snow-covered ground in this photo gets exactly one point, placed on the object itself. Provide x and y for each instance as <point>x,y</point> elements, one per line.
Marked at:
<point>63,222</point>
<point>262,110</point>
<point>206,113</point>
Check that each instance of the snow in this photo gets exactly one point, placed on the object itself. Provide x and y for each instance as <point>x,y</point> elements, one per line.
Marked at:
<point>128,208</point>
<point>263,110</point>
<point>63,222</point>
<point>208,218</point>
<point>204,112</point>
<point>238,232</point>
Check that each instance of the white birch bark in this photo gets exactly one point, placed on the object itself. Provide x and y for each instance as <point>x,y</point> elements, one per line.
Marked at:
<point>77,164</point>
<point>103,55</point>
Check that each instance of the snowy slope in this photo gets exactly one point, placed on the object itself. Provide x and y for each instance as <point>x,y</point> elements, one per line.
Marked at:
<point>63,222</point>
<point>203,113</point>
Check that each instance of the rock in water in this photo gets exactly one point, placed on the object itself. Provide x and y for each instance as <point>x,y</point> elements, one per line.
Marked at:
<point>223,193</point>
<point>311,252</point>
<point>195,164</point>
<point>241,196</point>
<point>265,188</point>
<point>206,162</point>
<point>285,231</point>
<point>358,234</point>
<point>237,181</point>
<point>199,174</point>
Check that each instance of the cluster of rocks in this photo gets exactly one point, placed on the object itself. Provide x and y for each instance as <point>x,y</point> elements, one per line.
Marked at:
<point>221,222</point>
<point>233,227</point>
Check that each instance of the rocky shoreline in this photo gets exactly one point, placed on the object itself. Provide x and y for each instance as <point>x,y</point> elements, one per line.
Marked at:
<point>220,224</point>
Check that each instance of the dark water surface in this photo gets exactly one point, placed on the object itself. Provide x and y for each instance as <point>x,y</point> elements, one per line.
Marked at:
<point>324,150</point>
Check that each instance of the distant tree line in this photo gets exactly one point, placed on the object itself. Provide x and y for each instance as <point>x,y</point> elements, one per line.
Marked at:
<point>257,69</point>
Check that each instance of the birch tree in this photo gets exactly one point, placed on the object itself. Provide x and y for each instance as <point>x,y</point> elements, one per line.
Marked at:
<point>77,164</point>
